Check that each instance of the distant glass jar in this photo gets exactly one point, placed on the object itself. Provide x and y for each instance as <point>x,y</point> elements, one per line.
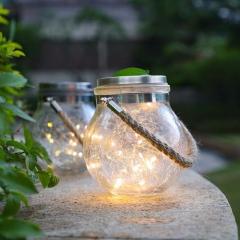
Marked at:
<point>121,160</point>
<point>76,99</point>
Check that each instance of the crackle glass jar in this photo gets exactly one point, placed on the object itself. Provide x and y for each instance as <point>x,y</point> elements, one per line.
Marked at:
<point>76,99</point>
<point>120,159</point>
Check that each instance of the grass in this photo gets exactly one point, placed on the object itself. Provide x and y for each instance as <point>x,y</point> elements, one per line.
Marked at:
<point>228,180</point>
<point>232,139</point>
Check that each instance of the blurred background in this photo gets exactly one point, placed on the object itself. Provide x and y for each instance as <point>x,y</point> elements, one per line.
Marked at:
<point>196,43</point>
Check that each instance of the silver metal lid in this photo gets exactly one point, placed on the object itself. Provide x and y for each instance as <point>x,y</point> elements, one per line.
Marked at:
<point>129,80</point>
<point>65,88</point>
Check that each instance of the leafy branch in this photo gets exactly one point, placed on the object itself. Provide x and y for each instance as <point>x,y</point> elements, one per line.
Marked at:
<point>23,163</point>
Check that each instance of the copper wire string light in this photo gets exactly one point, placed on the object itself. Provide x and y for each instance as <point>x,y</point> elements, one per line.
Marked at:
<point>161,146</point>
<point>135,144</point>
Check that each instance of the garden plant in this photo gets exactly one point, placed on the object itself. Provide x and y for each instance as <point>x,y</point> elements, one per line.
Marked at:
<point>23,163</point>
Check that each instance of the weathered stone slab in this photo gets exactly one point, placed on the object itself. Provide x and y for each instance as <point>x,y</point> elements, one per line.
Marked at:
<point>79,209</point>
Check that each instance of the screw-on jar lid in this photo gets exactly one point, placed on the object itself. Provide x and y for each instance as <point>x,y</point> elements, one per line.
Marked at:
<point>132,84</point>
<point>142,79</point>
<point>65,88</point>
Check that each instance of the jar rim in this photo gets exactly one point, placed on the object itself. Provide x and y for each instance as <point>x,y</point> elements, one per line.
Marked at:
<point>65,88</point>
<point>132,80</point>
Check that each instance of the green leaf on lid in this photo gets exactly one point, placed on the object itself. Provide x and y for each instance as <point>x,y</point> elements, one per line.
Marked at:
<point>131,71</point>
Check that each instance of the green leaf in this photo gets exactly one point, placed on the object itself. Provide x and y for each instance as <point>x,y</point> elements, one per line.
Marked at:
<point>4,123</point>
<point>3,11</point>
<point>21,196</point>
<point>2,100</point>
<point>131,71</point>
<point>2,154</point>
<point>44,178</point>
<point>31,161</point>
<point>17,180</point>
<point>28,138</point>
<point>40,151</point>
<point>17,145</point>
<point>15,229</point>
<point>17,111</point>
<point>18,53</point>
<point>10,79</point>
<point>12,206</point>
<point>54,180</point>
<point>3,20</point>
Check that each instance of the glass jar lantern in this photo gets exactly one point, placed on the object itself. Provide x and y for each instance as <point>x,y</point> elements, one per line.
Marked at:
<point>76,99</point>
<point>120,159</point>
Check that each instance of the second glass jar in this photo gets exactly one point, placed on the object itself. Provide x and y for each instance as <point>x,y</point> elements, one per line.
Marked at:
<point>76,99</point>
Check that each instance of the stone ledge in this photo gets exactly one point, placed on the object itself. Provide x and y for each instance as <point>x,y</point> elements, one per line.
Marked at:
<point>78,209</point>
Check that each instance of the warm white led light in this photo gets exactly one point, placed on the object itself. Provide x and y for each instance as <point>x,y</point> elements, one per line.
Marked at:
<point>74,154</point>
<point>57,153</point>
<point>118,183</point>
<point>50,124</point>
<point>48,135</point>
<point>126,163</point>
<point>141,182</point>
<point>93,165</point>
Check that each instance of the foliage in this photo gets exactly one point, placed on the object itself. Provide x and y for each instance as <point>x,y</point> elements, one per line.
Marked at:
<point>106,26</point>
<point>197,45</point>
<point>178,32</point>
<point>217,76</point>
<point>131,71</point>
<point>22,162</point>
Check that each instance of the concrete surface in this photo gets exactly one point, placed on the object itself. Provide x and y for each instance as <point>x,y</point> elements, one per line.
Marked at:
<point>79,209</point>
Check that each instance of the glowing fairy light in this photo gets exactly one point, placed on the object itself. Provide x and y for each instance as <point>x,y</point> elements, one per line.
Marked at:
<point>74,154</point>
<point>53,132</point>
<point>130,163</point>
<point>72,142</point>
<point>93,165</point>
<point>48,135</point>
<point>82,135</point>
<point>150,162</point>
<point>69,152</point>
<point>118,183</point>
<point>118,154</point>
<point>57,153</point>
<point>50,124</point>
<point>97,137</point>
<point>100,137</point>
<point>140,155</point>
<point>137,168</point>
<point>141,182</point>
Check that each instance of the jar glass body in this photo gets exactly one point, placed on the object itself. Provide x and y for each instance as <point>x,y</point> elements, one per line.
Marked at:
<point>64,149</point>
<point>121,160</point>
